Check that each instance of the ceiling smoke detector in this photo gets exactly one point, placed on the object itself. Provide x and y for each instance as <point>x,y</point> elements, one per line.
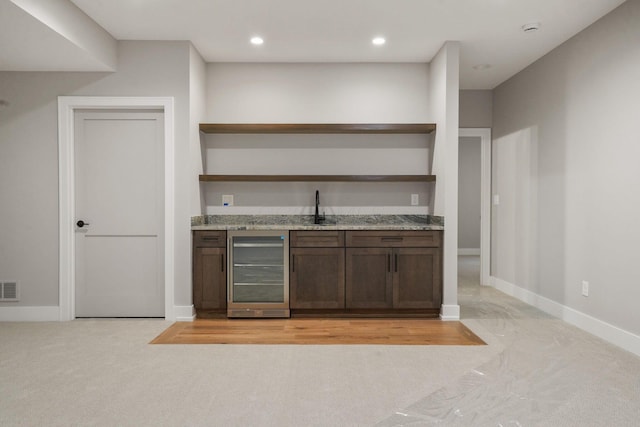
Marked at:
<point>531,27</point>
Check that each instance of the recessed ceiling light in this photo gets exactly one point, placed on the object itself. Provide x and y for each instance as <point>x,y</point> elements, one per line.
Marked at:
<point>531,27</point>
<point>481,67</point>
<point>378,41</point>
<point>257,40</point>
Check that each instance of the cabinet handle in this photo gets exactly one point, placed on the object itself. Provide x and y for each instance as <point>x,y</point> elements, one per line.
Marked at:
<point>293,263</point>
<point>396,262</point>
<point>389,262</point>
<point>391,239</point>
<point>210,239</point>
<point>222,263</point>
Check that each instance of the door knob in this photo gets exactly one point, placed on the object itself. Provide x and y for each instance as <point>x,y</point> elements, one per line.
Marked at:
<point>81,223</point>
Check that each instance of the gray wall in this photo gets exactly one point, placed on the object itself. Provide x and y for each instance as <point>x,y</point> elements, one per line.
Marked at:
<point>469,167</point>
<point>28,135</point>
<point>476,108</point>
<point>29,160</point>
<point>317,93</point>
<point>565,165</point>
<point>444,88</point>
<point>197,115</point>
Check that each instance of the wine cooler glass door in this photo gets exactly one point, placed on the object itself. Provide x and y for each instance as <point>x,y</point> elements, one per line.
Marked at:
<point>259,278</point>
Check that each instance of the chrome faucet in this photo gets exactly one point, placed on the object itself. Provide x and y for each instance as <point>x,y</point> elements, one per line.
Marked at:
<point>317,218</point>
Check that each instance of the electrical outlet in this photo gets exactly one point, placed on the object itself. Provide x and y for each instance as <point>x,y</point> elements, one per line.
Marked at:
<point>227,200</point>
<point>496,199</point>
<point>415,200</point>
<point>585,288</point>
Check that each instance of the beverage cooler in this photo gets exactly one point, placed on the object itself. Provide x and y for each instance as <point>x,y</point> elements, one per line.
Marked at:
<point>258,282</point>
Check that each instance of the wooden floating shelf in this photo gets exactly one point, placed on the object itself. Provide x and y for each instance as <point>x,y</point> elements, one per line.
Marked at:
<point>371,128</point>
<point>317,178</point>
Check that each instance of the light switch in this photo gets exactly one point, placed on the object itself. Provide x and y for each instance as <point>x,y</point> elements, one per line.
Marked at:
<point>496,199</point>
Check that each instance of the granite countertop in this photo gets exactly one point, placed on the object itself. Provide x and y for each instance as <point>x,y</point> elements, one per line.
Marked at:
<point>305,222</point>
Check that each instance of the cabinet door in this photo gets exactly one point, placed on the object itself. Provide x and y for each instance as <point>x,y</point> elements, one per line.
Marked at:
<point>369,278</point>
<point>209,279</point>
<point>316,279</point>
<point>416,278</point>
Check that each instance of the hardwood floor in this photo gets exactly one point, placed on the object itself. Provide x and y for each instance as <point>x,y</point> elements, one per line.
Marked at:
<point>319,331</point>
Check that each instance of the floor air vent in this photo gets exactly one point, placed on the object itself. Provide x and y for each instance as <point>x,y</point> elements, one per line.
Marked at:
<point>9,291</point>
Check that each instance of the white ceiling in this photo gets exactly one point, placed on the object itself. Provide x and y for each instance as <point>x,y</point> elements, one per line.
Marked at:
<point>27,44</point>
<point>341,30</point>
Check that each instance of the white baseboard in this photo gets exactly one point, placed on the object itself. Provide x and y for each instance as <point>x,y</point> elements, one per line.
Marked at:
<point>30,314</point>
<point>597,327</point>
<point>450,312</point>
<point>52,314</point>
<point>184,313</point>
<point>469,251</point>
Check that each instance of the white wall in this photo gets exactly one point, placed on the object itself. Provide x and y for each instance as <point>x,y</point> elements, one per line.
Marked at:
<point>317,93</point>
<point>444,107</point>
<point>469,191</point>
<point>565,164</point>
<point>29,162</point>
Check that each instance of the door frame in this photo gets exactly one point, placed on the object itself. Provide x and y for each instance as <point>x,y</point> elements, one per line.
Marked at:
<point>485,198</point>
<point>67,105</point>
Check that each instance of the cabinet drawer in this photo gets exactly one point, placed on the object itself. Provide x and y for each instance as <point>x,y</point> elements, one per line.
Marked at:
<point>317,239</point>
<point>210,238</point>
<point>394,239</point>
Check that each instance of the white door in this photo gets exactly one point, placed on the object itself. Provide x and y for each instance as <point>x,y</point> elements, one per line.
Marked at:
<point>119,206</point>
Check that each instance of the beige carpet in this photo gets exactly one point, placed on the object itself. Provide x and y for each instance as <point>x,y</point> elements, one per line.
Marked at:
<point>534,371</point>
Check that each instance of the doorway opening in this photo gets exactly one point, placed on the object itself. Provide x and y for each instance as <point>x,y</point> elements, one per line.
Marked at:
<point>479,203</point>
